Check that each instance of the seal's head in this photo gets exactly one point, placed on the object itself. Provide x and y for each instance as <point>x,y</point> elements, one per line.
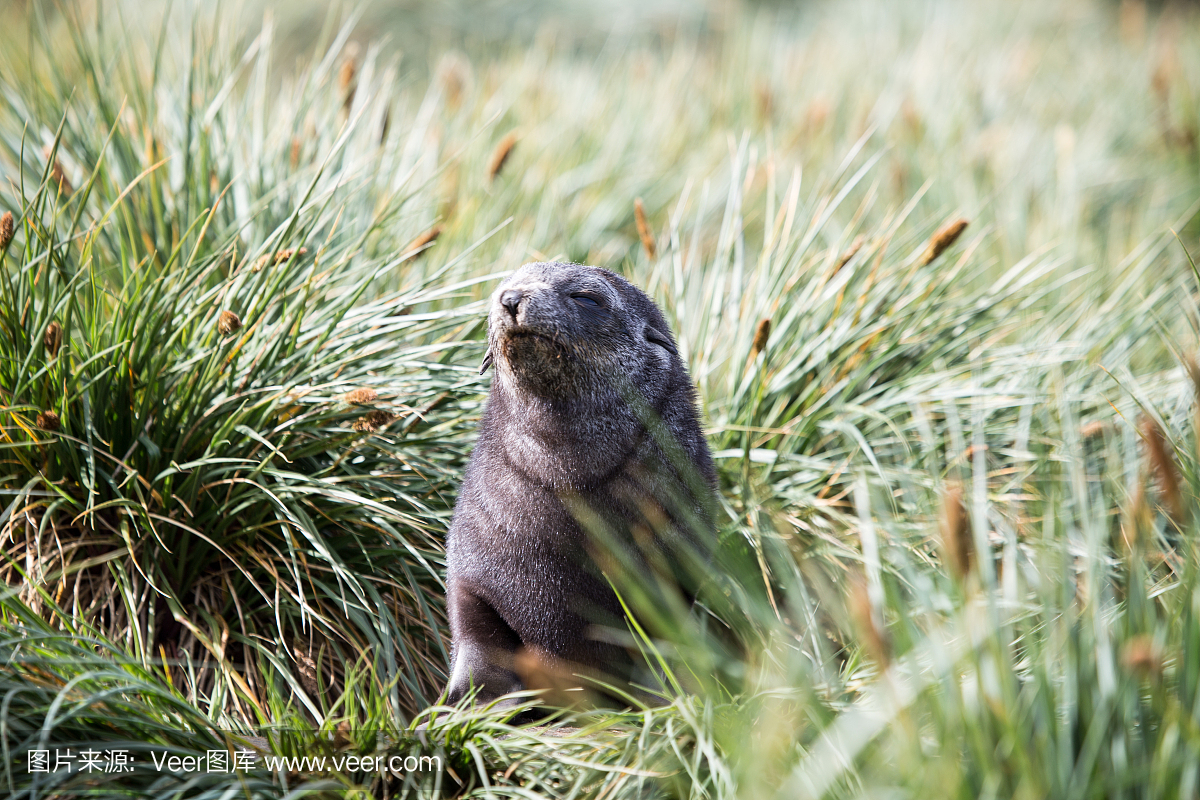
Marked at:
<point>563,330</point>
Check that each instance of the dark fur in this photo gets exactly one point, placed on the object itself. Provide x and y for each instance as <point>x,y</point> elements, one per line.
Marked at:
<point>560,434</point>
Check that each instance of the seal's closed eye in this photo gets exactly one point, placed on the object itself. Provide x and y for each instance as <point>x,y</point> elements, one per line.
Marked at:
<point>586,300</point>
<point>655,336</point>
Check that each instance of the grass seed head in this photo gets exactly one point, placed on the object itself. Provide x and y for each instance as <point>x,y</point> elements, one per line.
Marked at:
<point>48,421</point>
<point>306,668</point>
<point>361,396</point>
<point>284,255</point>
<point>1166,71</point>
<point>52,338</point>
<point>373,421</point>
<point>6,230</point>
<point>761,334</point>
<point>58,175</point>
<point>958,543</point>
<point>1132,22</point>
<point>347,76</point>
<point>1142,656</point>
<point>863,617</point>
<point>228,323</point>
<point>911,116</point>
<point>500,155</point>
<point>643,228</point>
<point>818,113</point>
<point>278,257</point>
<point>943,238</point>
<point>1164,467</point>
<point>850,253</point>
<point>428,237</point>
<point>764,100</point>
<point>454,74</point>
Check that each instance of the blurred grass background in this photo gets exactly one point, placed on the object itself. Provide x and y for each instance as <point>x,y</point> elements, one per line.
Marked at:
<point>240,326</point>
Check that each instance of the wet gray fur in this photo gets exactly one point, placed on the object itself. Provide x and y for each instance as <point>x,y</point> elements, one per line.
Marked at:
<point>562,431</point>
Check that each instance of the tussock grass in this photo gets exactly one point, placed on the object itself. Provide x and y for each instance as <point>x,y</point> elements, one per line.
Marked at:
<point>240,317</point>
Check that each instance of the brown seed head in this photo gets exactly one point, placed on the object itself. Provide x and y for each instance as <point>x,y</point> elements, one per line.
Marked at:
<point>48,421</point>
<point>1161,84</point>
<point>643,228</point>
<point>228,323</point>
<point>278,257</point>
<point>850,253</point>
<point>969,453</point>
<point>541,671</point>
<point>373,421</point>
<point>764,100</point>
<point>52,338</point>
<point>294,154</point>
<point>347,74</point>
<point>284,255</point>
<point>958,544</point>
<point>761,334</point>
<point>1164,467</point>
<point>858,604</point>
<point>1165,72</point>
<point>453,71</point>
<point>1141,655</point>
<point>57,174</point>
<point>361,396</point>
<point>306,667</point>
<point>428,237</point>
<point>1132,22</point>
<point>500,155</point>
<point>943,238</point>
<point>6,230</point>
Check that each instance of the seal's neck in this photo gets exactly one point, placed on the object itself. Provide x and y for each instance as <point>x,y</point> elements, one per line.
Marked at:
<point>565,443</point>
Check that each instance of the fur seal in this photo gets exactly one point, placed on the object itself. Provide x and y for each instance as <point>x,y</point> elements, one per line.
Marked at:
<point>590,414</point>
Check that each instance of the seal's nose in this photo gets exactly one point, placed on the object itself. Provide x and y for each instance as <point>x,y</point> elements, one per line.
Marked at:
<point>511,299</point>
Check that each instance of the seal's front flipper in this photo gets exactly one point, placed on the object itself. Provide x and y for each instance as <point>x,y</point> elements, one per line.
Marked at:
<point>483,651</point>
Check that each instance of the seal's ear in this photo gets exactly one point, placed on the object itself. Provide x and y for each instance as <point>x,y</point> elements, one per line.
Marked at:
<point>661,339</point>
<point>487,362</point>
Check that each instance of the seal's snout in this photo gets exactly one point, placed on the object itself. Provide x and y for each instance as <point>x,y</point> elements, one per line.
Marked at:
<point>511,300</point>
